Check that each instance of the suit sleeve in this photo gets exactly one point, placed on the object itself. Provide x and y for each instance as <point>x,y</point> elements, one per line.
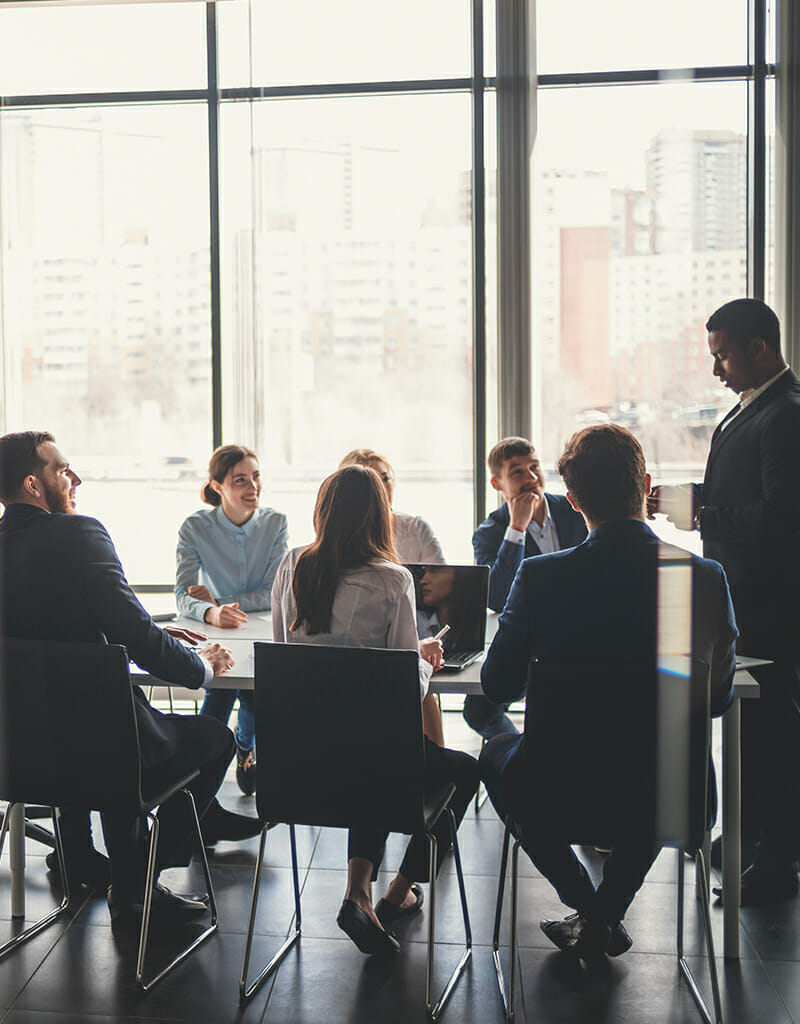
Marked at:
<point>502,557</point>
<point>723,663</point>
<point>504,673</point>
<point>101,584</point>
<point>777,512</point>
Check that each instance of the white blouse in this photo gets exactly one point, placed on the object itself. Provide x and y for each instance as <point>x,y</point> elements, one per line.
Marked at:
<point>415,541</point>
<point>373,607</point>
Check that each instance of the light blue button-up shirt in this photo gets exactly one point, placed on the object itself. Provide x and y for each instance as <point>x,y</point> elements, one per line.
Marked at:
<point>236,563</point>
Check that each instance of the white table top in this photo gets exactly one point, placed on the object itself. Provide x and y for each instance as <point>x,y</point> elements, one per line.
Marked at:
<point>259,627</point>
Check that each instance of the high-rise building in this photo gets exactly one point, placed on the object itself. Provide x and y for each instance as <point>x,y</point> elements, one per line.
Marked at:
<point>698,180</point>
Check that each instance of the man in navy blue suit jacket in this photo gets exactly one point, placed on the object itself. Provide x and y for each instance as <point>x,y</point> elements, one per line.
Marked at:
<point>595,602</point>
<point>748,512</point>
<point>61,580</point>
<point>529,522</point>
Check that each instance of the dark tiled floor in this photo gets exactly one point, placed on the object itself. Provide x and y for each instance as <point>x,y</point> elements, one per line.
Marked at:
<point>77,972</point>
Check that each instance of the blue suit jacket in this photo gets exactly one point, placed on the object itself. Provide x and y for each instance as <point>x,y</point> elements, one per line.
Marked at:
<point>61,579</point>
<point>598,602</point>
<point>503,557</point>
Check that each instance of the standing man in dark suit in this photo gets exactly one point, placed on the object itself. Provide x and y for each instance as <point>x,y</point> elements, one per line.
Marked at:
<point>597,602</point>
<point>61,580</point>
<point>748,512</point>
<point>529,522</point>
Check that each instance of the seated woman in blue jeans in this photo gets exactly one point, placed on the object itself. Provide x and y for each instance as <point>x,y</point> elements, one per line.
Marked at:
<point>348,589</point>
<point>226,561</point>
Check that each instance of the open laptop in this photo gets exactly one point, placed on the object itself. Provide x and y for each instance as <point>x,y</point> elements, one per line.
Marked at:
<point>456,596</point>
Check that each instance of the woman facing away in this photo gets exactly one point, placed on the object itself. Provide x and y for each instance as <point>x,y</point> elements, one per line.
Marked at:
<point>348,589</point>
<point>226,561</point>
<point>414,542</point>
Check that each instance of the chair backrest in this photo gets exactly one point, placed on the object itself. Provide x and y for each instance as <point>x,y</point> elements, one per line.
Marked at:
<point>67,725</point>
<point>617,748</point>
<point>339,736</point>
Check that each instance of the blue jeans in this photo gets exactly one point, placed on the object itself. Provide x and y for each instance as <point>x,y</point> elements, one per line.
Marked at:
<point>219,704</point>
<point>486,717</point>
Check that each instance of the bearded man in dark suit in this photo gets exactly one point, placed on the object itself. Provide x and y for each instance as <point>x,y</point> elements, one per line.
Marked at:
<point>748,512</point>
<point>61,580</point>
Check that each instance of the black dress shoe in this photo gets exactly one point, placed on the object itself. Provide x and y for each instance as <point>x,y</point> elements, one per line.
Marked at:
<point>387,913</point>
<point>620,942</point>
<point>368,936</point>
<point>589,940</point>
<point>165,901</point>
<point>88,868</point>
<point>761,887</point>
<point>217,824</point>
<point>749,850</point>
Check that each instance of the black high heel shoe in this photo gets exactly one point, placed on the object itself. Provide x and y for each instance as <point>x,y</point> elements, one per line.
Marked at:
<point>368,936</point>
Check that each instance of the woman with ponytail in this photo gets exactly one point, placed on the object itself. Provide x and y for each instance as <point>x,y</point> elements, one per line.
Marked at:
<point>226,561</point>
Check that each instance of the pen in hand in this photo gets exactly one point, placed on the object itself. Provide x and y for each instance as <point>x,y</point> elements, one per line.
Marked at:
<point>442,632</point>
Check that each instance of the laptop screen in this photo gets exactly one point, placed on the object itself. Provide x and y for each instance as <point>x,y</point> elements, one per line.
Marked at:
<point>452,595</point>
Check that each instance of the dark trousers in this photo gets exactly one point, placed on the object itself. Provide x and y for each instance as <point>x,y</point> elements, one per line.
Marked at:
<point>771,764</point>
<point>625,867</point>
<point>200,744</point>
<point>442,767</point>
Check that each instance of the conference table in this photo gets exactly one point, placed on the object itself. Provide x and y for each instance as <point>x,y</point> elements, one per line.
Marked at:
<point>259,628</point>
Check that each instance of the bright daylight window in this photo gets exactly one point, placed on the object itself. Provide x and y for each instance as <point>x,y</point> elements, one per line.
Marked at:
<point>345,243</point>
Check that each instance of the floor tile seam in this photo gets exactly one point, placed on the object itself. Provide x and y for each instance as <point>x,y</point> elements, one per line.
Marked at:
<point>304,874</point>
<point>69,924</point>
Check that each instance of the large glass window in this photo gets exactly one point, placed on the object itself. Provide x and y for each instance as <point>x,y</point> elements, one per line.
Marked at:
<point>105,308</point>
<point>309,42</point>
<point>345,314</point>
<point>45,49</point>
<point>618,35</point>
<point>347,296</point>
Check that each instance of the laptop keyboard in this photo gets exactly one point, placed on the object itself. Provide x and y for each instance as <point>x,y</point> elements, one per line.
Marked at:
<point>460,659</point>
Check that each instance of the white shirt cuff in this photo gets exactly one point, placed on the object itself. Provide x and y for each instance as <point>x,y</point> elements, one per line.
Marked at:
<point>515,536</point>
<point>209,671</point>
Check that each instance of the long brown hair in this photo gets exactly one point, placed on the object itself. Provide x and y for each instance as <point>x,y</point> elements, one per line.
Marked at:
<point>353,524</point>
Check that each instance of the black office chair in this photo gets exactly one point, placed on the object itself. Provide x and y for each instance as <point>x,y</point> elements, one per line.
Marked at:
<point>638,761</point>
<point>339,735</point>
<point>70,738</point>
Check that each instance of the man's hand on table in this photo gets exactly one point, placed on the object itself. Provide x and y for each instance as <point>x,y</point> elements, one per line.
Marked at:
<point>219,658</point>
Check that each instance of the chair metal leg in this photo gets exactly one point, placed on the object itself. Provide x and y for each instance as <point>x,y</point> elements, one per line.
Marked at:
<point>702,888</point>
<point>508,1005</point>
<point>148,902</point>
<point>481,792</point>
<point>246,992</point>
<point>43,922</point>
<point>41,835</point>
<point>435,1011</point>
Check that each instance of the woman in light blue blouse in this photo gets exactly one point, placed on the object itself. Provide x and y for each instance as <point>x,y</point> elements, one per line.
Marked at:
<point>226,561</point>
